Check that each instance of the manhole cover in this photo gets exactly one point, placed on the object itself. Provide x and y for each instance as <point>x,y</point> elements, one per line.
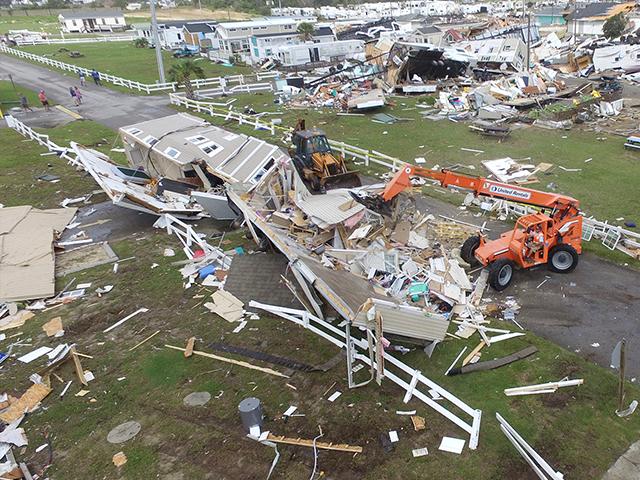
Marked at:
<point>197,399</point>
<point>124,432</point>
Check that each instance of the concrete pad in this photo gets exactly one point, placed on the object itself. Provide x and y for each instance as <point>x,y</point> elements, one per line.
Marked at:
<point>123,432</point>
<point>197,399</point>
<point>627,467</point>
<point>40,118</point>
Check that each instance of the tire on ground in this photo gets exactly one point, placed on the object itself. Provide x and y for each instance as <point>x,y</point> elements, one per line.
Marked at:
<point>501,274</point>
<point>563,258</point>
<point>468,250</point>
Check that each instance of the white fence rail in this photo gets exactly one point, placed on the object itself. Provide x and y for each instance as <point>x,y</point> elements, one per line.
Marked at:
<point>346,150</point>
<point>236,89</point>
<point>41,138</point>
<point>73,40</point>
<point>134,85</point>
<point>394,369</point>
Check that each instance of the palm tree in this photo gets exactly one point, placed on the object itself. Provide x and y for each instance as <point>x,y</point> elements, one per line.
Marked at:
<point>305,30</point>
<point>141,42</point>
<point>183,72</point>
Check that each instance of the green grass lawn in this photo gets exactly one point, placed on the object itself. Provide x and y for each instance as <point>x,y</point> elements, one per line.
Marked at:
<point>21,163</point>
<point>33,22</point>
<point>9,95</point>
<point>124,60</point>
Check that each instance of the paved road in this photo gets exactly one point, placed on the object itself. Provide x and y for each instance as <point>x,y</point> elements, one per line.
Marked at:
<point>108,107</point>
<point>598,303</point>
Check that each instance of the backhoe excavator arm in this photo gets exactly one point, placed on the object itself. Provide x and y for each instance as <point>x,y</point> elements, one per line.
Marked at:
<point>479,186</point>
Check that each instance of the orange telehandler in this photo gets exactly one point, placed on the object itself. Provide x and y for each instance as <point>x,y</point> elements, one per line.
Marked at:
<point>553,236</point>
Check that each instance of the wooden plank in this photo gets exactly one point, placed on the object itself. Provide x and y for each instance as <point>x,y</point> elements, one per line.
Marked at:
<point>78,366</point>
<point>144,341</point>
<point>234,362</point>
<point>189,350</point>
<point>339,447</point>
<point>473,353</point>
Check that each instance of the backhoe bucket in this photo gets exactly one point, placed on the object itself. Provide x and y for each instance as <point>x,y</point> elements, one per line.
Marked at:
<point>342,180</point>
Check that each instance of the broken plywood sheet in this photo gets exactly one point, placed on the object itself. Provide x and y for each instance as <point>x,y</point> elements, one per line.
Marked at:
<point>27,261</point>
<point>16,320</point>
<point>226,305</point>
<point>508,170</point>
<point>53,327</point>
<point>324,210</point>
<point>81,258</point>
<point>26,403</point>
<point>407,321</point>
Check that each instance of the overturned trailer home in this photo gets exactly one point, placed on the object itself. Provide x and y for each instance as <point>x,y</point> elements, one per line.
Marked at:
<point>188,155</point>
<point>411,64</point>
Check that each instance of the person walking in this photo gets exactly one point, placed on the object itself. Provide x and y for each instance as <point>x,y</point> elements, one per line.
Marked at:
<point>78,95</point>
<point>72,92</point>
<point>96,77</point>
<point>24,103</point>
<point>44,100</point>
<point>82,77</point>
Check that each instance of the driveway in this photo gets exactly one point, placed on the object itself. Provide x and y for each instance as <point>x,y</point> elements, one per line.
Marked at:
<point>101,104</point>
<point>596,304</point>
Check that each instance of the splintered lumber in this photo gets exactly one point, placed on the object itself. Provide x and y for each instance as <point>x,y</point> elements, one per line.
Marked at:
<point>340,447</point>
<point>189,350</point>
<point>26,403</point>
<point>498,362</point>
<point>78,366</point>
<point>144,341</point>
<point>473,352</point>
<point>231,360</point>
<point>550,387</point>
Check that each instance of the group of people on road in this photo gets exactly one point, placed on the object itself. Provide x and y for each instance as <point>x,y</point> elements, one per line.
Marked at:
<point>74,91</point>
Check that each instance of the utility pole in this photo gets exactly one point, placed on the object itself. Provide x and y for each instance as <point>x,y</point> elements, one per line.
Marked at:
<point>156,40</point>
<point>621,384</point>
<point>528,41</point>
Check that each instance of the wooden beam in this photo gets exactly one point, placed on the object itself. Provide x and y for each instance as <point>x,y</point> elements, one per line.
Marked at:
<point>234,362</point>
<point>473,353</point>
<point>78,366</point>
<point>144,341</point>
<point>189,350</point>
<point>339,447</point>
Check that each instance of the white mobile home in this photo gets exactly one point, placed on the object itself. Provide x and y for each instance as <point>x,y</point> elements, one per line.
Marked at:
<point>88,21</point>
<point>291,55</point>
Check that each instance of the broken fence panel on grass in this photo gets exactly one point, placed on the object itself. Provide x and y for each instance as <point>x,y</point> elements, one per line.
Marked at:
<point>537,463</point>
<point>415,377</point>
<point>190,238</point>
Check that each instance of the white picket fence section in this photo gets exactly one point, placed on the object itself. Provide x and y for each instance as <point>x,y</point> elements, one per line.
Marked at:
<point>134,85</point>
<point>42,139</point>
<point>236,89</point>
<point>259,123</point>
<point>73,40</point>
<point>406,377</point>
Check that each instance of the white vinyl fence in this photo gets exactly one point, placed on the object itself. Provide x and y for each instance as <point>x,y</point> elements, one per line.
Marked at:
<point>260,123</point>
<point>134,85</point>
<point>73,40</point>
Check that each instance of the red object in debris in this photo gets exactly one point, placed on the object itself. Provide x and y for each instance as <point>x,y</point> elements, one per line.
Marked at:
<point>198,254</point>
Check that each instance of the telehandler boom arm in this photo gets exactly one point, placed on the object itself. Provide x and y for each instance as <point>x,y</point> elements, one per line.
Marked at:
<point>479,186</point>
